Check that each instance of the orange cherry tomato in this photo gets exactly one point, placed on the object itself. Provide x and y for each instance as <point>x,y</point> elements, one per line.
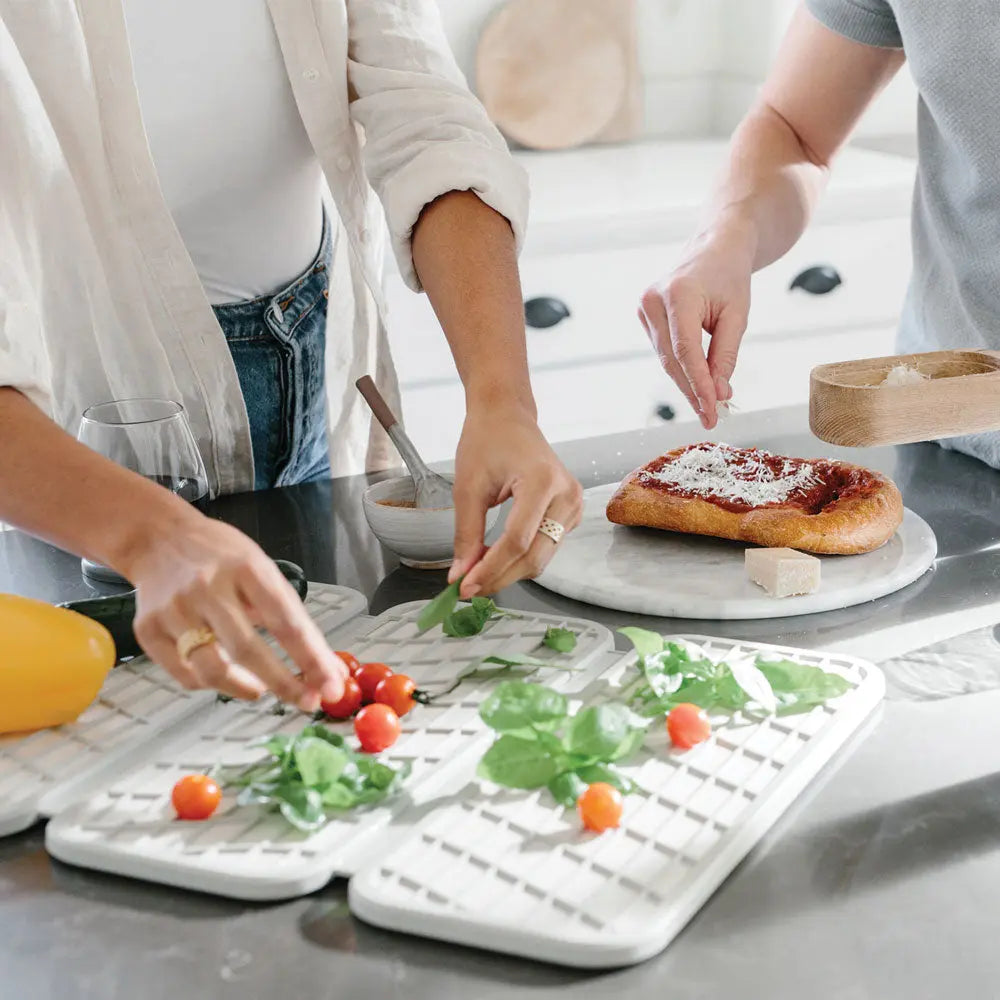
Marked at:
<point>688,725</point>
<point>350,661</point>
<point>397,692</point>
<point>600,807</point>
<point>369,676</point>
<point>196,796</point>
<point>349,702</point>
<point>377,728</point>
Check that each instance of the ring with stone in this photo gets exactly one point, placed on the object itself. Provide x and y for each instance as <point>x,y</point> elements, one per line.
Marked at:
<point>192,639</point>
<point>552,529</point>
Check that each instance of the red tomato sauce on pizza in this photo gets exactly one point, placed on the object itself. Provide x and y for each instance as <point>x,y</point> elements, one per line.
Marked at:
<point>744,479</point>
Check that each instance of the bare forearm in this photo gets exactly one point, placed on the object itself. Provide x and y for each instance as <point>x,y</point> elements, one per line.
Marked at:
<point>768,190</point>
<point>56,488</point>
<point>465,258</point>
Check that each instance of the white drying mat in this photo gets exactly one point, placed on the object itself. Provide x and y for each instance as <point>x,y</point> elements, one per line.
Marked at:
<point>663,573</point>
<point>42,771</point>
<point>128,828</point>
<point>511,871</point>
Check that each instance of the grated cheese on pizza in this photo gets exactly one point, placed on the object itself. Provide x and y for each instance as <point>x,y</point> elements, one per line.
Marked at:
<point>745,476</point>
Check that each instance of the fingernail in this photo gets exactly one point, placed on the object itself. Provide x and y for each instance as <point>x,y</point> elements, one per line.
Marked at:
<point>455,572</point>
<point>722,387</point>
<point>309,702</point>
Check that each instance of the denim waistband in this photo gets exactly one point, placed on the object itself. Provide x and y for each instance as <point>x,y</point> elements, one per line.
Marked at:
<point>285,307</point>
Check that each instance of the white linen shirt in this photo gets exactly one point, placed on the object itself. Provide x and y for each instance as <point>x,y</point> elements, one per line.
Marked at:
<point>99,298</point>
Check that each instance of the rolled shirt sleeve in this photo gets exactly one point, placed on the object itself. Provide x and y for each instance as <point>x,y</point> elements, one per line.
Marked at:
<point>871,22</point>
<point>425,133</point>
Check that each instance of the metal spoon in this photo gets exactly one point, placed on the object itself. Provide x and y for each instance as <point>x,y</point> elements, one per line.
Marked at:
<point>432,490</point>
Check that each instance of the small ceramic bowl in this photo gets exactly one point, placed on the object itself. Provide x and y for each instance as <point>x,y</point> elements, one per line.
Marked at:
<point>422,538</point>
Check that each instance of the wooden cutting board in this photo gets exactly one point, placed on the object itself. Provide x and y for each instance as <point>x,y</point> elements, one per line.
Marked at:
<point>688,576</point>
<point>554,74</point>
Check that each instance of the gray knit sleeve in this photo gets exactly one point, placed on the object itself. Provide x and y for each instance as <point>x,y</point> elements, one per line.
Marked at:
<point>871,22</point>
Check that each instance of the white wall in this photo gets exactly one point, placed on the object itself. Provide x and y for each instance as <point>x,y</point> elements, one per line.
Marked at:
<point>701,62</point>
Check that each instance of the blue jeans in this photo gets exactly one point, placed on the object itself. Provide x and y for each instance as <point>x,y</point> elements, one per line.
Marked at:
<point>278,342</point>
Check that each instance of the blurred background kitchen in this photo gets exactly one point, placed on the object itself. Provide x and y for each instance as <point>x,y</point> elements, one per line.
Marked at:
<point>620,111</point>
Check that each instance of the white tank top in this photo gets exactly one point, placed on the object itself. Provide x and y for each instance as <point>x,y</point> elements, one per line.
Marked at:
<point>235,164</point>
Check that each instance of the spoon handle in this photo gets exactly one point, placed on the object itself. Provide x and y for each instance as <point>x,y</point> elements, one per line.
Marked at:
<point>366,386</point>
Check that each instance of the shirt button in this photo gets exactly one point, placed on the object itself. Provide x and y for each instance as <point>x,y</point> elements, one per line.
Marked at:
<point>311,74</point>
<point>343,162</point>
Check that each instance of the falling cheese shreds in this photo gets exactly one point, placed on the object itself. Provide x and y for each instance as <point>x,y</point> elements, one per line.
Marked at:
<point>904,375</point>
<point>734,475</point>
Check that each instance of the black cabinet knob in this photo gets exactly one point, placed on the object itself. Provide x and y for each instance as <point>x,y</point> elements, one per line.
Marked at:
<point>544,311</point>
<point>817,280</point>
<point>665,411</point>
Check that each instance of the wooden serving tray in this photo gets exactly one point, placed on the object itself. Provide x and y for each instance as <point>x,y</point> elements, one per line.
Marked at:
<point>849,405</point>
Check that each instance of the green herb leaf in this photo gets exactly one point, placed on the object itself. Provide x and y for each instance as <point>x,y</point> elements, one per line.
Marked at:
<point>598,731</point>
<point>466,622</point>
<point>516,762</point>
<point>606,773</point>
<point>517,660</point>
<point>628,746</point>
<point>319,732</point>
<point>562,640</point>
<point>646,643</point>
<point>799,687</point>
<point>567,787</point>
<point>339,796</point>
<point>301,806</point>
<point>438,610</point>
<point>319,763</point>
<point>516,705</point>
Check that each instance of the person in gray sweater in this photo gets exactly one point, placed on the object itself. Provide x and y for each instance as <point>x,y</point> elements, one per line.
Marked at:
<point>836,57</point>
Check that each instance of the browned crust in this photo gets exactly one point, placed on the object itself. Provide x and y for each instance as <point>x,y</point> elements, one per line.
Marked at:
<point>849,526</point>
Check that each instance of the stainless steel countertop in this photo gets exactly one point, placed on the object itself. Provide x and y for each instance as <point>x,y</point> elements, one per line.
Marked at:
<point>880,882</point>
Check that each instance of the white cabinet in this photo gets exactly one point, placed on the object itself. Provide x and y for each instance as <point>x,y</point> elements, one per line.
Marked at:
<point>595,372</point>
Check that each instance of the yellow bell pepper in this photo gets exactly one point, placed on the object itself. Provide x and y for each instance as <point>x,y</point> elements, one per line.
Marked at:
<point>52,663</point>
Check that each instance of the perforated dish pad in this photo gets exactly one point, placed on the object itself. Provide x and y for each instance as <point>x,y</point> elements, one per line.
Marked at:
<point>129,827</point>
<point>40,772</point>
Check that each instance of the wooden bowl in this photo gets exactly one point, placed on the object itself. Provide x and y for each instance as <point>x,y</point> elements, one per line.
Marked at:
<point>850,406</point>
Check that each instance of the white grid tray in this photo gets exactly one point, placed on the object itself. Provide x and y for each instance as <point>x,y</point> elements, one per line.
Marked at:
<point>42,772</point>
<point>128,828</point>
<point>511,871</point>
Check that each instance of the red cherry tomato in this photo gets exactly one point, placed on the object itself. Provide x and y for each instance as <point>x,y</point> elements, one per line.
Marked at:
<point>369,676</point>
<point>350,661</point>
<point>349,703</point>
<point>600,807</point>
<point>377,728</point>
<point>196,796</point>
<point>397,692</point>
<point>688,725</point>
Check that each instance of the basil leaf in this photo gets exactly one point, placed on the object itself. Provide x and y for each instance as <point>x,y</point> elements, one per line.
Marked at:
<point>301,806</point>
<point>628,746</point>
<point>646,643</point>
<point>516,705</point>
<point>517,660</point>
<point>567,787</point>
<point>751,679</point>
<point>322,733</point>
<point>276,745</point>
<point>339,796</point>
<point>436,611</point>
<point>598,731</point>
<point>375,773</point>
<point>562,640</point>
<point>799,687</point>
<point>319,763</point>
<point>465,622</point>
<point>608,774</point>
<point>254,795</point>
<point>516,762</point>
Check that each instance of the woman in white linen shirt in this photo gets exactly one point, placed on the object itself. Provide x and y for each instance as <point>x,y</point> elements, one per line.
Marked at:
<point>163,234</point>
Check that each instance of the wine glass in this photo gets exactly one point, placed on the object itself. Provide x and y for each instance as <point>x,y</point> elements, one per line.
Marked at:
<point>151,437</point>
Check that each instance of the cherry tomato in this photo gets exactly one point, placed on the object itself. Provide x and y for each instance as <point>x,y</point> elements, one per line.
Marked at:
<point>688,725</point>
<point>600,807</point>
<point>196,796</point>
<point>369,676</point>
<point>349,703</point>
<point>350,661</point>
<point>397,692</point>
<point>377,728</point>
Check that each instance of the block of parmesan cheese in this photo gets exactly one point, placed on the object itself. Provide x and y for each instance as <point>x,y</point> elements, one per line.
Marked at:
<point>783,572</point>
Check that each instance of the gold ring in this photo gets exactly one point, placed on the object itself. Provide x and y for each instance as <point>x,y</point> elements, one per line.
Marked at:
<point>192,639</point>
<point>552,529</point>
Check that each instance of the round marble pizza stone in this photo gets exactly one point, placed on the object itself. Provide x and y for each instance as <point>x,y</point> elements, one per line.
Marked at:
<point>662,573</point>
